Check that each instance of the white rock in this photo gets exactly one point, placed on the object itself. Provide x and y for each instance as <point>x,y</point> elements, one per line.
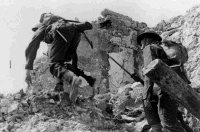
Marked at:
<point>136,84</point>
<point>116,40</point>
<point>24,103</point>
<point>52,127</point>
<point>34,109</point>
<point>20,110</point>
<point>128,23</point>
<point>13,130</point>
<point>13,108</point>
<point>5,102</point>
<point>17,125</point>
<point>139,125</point>
<point>121,89</point>
<point>51,101</point>
<point>4,110</point>
<point>35,130</point>
<point>18,96</point>
<point>81,109</point>
<point>125,117</point>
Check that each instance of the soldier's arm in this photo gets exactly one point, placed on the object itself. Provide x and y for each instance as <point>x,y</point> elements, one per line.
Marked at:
<point>31,50</point>
<point>76,70</point>
<point>149,54</point>
<point>160,54</point>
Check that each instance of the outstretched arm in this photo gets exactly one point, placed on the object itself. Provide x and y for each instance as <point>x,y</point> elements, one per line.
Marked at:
<point>31,52</point>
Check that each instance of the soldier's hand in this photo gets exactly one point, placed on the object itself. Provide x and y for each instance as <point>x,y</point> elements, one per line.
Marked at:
<point>28,77</point>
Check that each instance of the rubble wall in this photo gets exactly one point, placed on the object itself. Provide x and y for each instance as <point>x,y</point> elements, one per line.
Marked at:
<point>185,29</point>
<point>118,41</point>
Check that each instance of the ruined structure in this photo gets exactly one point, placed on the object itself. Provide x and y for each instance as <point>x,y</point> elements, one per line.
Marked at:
<point>117,96</point>
<point>118,41</point>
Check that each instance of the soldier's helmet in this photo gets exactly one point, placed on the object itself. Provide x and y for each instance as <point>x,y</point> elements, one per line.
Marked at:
<point>149,34</point>
<point>43,17</point>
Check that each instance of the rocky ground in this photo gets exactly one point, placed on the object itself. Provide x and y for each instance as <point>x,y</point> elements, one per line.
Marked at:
<point>48,111</point>
<point>52,112</point>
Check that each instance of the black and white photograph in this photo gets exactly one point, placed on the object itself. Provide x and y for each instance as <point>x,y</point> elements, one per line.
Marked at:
<point>100,66</point>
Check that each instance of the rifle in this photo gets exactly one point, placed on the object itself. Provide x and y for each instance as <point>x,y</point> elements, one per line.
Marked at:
<point>76,21</point>
<point>66,20</point>
<point>133,76</point>
<point>90,42</point>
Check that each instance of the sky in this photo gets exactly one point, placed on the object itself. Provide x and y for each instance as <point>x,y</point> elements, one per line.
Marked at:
<point>19,16</point>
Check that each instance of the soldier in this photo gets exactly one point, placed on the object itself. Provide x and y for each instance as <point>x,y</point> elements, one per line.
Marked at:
<point>160,109</point>
<point>64,38</point>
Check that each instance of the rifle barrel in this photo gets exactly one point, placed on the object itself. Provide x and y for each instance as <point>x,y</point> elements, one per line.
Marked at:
<point>119,65</point>
<point>133,76</point>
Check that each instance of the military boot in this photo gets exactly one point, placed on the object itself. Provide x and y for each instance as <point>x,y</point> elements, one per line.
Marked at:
<point>76,82</point>
<point>89,79</point>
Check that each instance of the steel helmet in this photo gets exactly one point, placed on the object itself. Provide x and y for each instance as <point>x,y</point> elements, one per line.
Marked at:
<point>148,33</point>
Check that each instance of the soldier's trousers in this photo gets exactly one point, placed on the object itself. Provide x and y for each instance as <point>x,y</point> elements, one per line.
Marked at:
<point>62,48</point>
<point>161,109</point>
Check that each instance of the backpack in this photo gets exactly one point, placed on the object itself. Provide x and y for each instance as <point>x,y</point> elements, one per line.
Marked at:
<point>175,51</point>
<point>49,18</point>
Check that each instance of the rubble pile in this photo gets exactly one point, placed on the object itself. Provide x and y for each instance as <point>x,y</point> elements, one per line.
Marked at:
<point>51,111</point>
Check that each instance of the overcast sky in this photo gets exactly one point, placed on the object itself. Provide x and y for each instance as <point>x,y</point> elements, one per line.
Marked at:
<point>19,16</point>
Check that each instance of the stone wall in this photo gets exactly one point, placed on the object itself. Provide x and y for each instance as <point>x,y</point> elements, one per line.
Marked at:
<point>118,41</point>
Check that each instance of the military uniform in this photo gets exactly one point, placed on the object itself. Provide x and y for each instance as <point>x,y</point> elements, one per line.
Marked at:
<point>160,109</point>
<point>62,50</point>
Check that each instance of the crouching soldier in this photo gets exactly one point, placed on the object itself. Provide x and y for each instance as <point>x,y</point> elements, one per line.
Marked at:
<point>160,109</point>
<point>64,38</point>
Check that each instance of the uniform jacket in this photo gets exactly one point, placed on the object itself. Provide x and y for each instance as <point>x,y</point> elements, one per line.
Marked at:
<point>67,30</point>
<point>150,53</point>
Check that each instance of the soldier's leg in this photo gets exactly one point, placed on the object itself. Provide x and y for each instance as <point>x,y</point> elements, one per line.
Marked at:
<point>59,85</point>
<point>74,67</point>
<point>64,74</point>
<point>151,113</point>
<point>57,56</point>
<point>89,79</point>
<point>167,109</point>
<point>78,72</point>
